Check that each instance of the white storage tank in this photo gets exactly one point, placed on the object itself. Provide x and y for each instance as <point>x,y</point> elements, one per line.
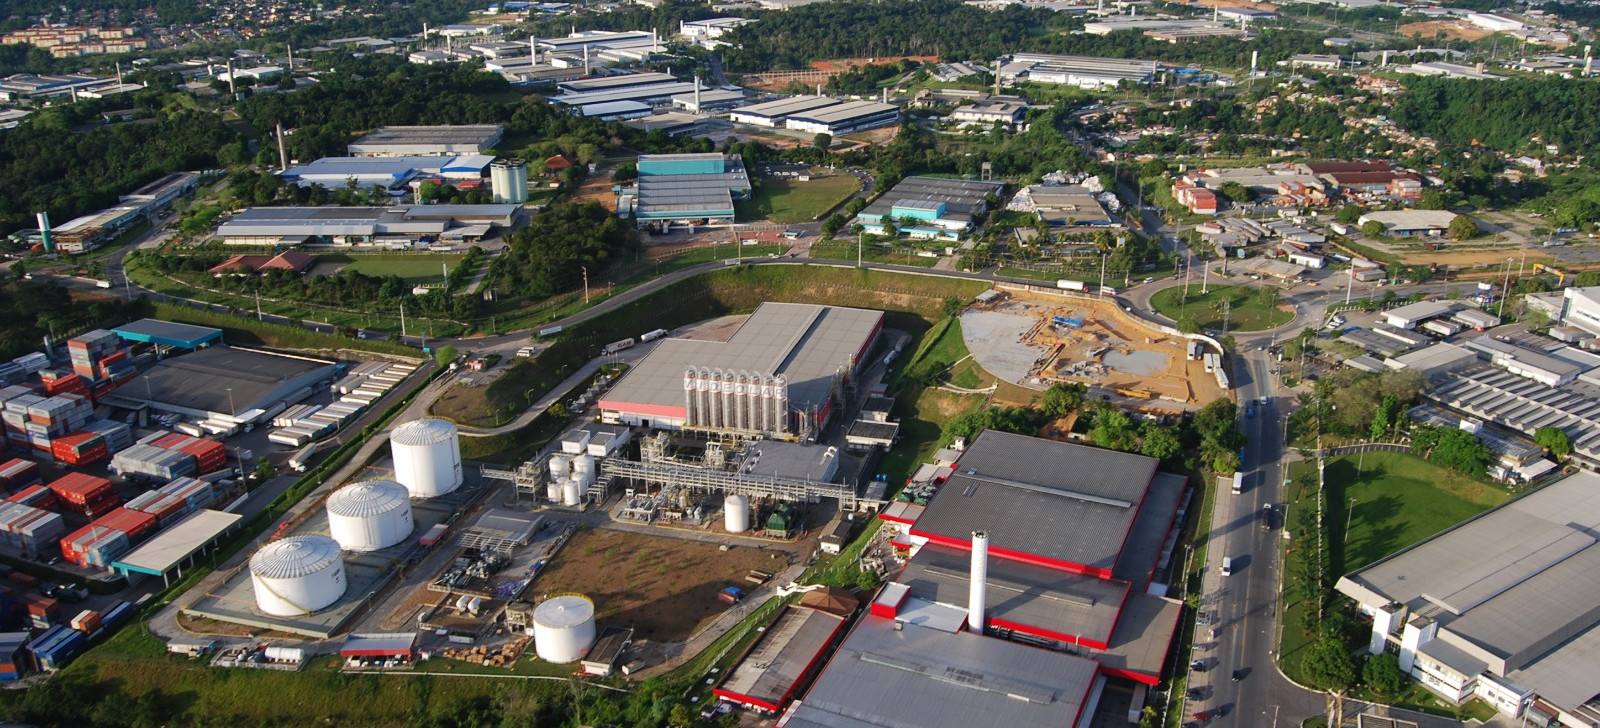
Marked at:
<point>563,628</point>
<point>572,492</point>
<point>427,457</point>
<point>583,465</point>
<point>552,492</point>
<point>297,575</point>
<point>370,515</point>
<point>736,514</point>
<point>285,654</point>
<point>560,467</point>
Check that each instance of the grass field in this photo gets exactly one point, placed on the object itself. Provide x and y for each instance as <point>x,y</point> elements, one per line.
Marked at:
<point>1400,500</point>
<point>790,201</point>
<point>1248,312</point>
<point>414,269</point>
<point>664,588</point>
<point>845,249</point>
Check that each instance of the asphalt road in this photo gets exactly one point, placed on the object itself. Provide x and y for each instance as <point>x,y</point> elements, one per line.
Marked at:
<point>1243,605</point>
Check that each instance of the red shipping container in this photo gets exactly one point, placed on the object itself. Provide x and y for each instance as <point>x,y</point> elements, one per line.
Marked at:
<point>23,579</point>
<point>109,359</point>
<point>76,443</point>
<point>42,606</point>
<point>133,523</point>
<point>37,496</point>
<point>80,489</point>
<point>95,454</point>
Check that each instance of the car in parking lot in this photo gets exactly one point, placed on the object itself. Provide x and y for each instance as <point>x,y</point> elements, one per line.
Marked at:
<point>1250,410</point>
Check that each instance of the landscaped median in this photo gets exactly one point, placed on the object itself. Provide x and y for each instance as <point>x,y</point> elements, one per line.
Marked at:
<point>1223,308</point>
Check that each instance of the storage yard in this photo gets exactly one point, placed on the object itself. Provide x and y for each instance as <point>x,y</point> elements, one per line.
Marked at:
<point>1035,340</point>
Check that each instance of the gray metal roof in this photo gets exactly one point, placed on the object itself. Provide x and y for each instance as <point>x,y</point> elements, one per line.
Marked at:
<point>845,112</point>
<point>1568,676</point>
<point>786,107</point>
<point>200,380</point>
<point>883,677</point>
<point>778,660</point>
<point>1143,635</point>
<point>658,91</point>
<point>1420,311</point>
<point>1036,596</point>
<point>621,81</point>
<point>170,547</point>
<point>959,196</point>
<point>474,135</point>
<point>1150,530</point>
<point>804,343</point>
<point>1061,501</point>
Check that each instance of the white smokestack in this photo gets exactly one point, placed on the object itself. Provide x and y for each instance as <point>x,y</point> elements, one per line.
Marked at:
<point>697,108</point>
<point>977,595</point>
<point>1255,56</point>
<point>283,155</point>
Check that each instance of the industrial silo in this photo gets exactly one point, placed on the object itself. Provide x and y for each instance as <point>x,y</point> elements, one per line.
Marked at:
<point>508,181</point>
<point>297,575</point>
<point>368,516</point>
<point>427,457</point>
<point>563,628</point>
<point>736,514</point>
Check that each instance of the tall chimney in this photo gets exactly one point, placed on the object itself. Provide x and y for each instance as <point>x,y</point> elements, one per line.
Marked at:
<point>283,155</point>
<point>977,596</point>
<point>47,237</point>
<point>231,91</point>
<point>697,108</point>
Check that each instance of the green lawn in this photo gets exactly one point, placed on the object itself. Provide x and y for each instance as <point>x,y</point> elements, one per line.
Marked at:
<point>1249,312</point>
<point>1399,500</point>
<point>790,201</point>
<point>414,269</point>
<point>843,249</point>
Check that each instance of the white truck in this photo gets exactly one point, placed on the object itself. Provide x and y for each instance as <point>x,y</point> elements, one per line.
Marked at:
<point>1072,285</point>
<point>652,335</point>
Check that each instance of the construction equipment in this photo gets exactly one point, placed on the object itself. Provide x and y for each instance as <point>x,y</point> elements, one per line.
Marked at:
<point>1561,275</point>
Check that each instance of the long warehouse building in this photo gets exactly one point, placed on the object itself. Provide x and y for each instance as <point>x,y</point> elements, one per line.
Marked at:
<point>427,141</point>
<point>844,118</point>
<point>1080,71</point>
<point>781,374</point>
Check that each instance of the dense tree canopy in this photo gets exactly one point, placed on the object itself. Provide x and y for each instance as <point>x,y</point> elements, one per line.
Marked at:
<point>1523,114</point>
<point>550,255</point>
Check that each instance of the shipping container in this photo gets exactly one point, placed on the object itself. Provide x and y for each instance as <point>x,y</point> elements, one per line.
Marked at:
<point>16,474</point>
<point>79,488</point>
<point>37,496</point>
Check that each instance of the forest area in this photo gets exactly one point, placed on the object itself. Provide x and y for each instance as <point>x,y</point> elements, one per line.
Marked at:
<point>31,311</point>
<point>1523,115</point>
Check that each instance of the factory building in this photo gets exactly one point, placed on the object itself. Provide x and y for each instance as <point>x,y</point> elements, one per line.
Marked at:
<point>774,113</point>
<point>989,112</point>
<point>929,207</point>
<point>1500,607</point>
<point>1573,306</point>
<point>225,383</point>
<point>390,173</point>
<point>616,83</point>
<point>689,188</point>
<point>427,141</point>
<point>597,41</point>
<point>401,226</point>
<point>782,374</point>
<point>1411,223</point>
<point>1071,536</point>
<point>703,101</point>
<point>844,118</point>
<point>1080,71</point>
<point>659,94</point>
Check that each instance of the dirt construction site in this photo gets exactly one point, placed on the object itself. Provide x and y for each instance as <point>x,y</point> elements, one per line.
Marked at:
<point>1036,341</point>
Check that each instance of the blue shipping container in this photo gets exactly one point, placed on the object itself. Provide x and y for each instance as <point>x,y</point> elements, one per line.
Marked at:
<point>115,616</point>
<point>56,656</point>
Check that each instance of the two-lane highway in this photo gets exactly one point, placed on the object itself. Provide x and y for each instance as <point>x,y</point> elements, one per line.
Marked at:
<point>1242,606</point>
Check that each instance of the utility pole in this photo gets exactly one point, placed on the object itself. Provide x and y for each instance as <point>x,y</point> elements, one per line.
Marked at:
<point>1205,281</point>
<point>1350,289</point>
<point>402,322</point>
<point>1505,290</point>
<point>585,284</point>
<point>1102,276</point>
<point>858,247</point>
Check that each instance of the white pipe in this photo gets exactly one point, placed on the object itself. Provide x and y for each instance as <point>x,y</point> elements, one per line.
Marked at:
<point>979,581</point>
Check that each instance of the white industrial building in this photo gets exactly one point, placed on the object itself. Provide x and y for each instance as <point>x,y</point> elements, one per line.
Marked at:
<point>1435,361</point>
<point>382,226</point>
<point>1523,405</point>
<point>1081,71</point>
<point>1501,607</point>
<point>987,113</point>
<point>702,101</point>
<point>427,141</point>
<point>844,118</point>
<point>390,173</point>
<point>774,113</point>
<point>1493,23</point>
<point>1409,223</point>
<point>1407,317</point>
<point>710,28</point>
<point>1573,306</point>
<point>1540,366</point>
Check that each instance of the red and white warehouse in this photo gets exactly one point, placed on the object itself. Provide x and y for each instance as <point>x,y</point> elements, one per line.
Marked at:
<point>780,374</point>
<point>1032,573</point>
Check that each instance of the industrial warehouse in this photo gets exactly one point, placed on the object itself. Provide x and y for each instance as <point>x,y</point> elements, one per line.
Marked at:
<point>818,114</point>
<point>1081,71</point>
<point>780,374</point>
<point>929,207</point>
<point>427,141</point>
<point>275,226</point>
<point>692,189</point>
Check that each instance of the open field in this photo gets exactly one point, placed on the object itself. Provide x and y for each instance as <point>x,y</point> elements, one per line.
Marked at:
<point>664,588</point>
<point>844,249</point>
<point>1432,29</point>
<point>1247,313</point>
<point>792,201</point>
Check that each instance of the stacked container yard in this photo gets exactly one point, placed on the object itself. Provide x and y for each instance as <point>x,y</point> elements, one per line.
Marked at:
<point>209,455</point>
<point>152,461</point>
<point>194,493</point>
<point>118,435</point>
<point>80,448</point>
<point>11,373</point>
<point>85,494</point>
<point>14,403</point>
<point>31,529</point>
<point>32,363</point>
<point>17,474</point>
<point>101,542</point>
<point>37,496</point>
<point>95,353</point>
<point>13,655</point>
<point>60,381</point>
<point>42,611</point>
<point>167,508</point>
<point>52,650</point>
<point>56,417</point>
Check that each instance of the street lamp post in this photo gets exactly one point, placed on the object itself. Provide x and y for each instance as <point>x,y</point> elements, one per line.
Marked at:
<point>1348,515</point>
<point>231,409</point>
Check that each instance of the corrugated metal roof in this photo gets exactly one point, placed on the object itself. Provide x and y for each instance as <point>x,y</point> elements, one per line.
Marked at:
<point>178,542</point>
<point>1036,596</point>
<point>770,670</point>
<point>927,678</point>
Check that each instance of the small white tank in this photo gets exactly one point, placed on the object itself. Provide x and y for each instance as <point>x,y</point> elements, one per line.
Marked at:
<point>571,493</point>
<point>475,606</point>
<point>583,464</point>
<point>563,628</point>
<point>285,654</point>
<point>552,492</point>
<point>560,467</point>
<point>736,514</point>
<point>463,602</point>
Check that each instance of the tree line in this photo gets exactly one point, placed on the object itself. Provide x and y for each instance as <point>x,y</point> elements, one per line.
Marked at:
<point>550,255</point>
